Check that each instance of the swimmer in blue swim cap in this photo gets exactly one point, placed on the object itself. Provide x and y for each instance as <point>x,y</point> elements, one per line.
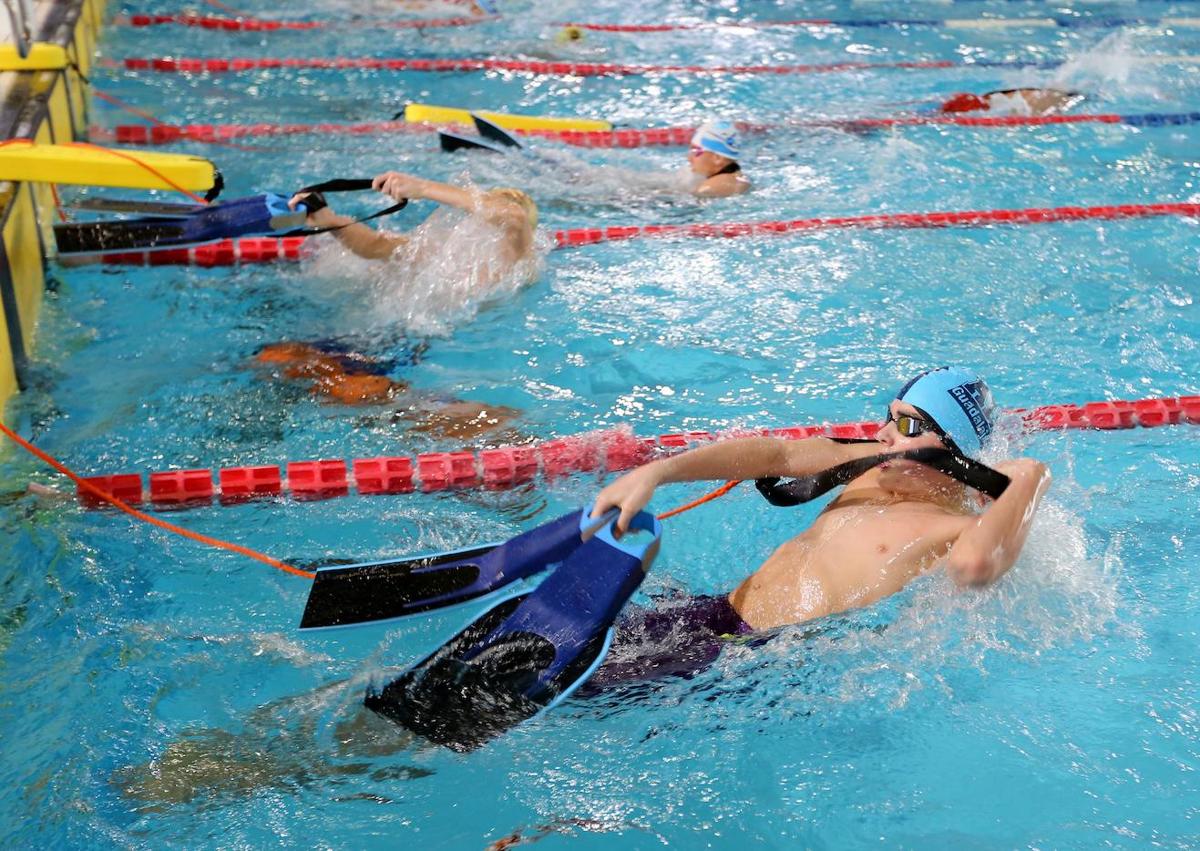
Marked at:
<point>713,158</point>
<point>952,403</point>
<point>912,499</point>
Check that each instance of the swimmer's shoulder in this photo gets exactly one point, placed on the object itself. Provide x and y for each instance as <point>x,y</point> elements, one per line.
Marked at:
<point>724,186</point>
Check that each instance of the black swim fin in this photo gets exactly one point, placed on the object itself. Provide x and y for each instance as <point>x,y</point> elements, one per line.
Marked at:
<point>357,594</point>
<point>494,132</point>
<point>164,209</point>
<point>454,142</point>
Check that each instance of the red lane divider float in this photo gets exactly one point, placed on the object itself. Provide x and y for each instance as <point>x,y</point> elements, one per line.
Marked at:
<point>574,69</point>
<point>629,137</point>
<point>510,466</point>
<point>165,134</point>
<point>241,24</point>
<point>948,23</point>
<point>235,252</point>
<point>962,218</point>
<point>227,252</point>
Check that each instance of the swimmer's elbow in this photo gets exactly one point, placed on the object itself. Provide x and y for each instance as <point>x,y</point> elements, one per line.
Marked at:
<point>972,570</point>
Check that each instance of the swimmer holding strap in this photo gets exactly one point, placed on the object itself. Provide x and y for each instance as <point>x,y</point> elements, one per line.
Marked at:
<point>971,473</point>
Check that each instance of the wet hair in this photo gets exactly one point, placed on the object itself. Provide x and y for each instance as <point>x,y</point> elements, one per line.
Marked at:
<point>522,198</point>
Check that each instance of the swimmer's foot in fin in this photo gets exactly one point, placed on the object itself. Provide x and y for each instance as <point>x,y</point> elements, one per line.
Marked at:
<point>526,654</point>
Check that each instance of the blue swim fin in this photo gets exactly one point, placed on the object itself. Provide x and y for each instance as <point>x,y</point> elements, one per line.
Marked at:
<point>356,594</point>
<point>525,654</point>
<point>256,214</point>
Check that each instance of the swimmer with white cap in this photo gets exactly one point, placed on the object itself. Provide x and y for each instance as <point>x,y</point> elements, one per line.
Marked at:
<point>713,158</point>
<point>897,517</point>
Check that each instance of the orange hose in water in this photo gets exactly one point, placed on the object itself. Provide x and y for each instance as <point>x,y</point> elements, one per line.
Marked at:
<point>708,497</point>
<point>143,516</point>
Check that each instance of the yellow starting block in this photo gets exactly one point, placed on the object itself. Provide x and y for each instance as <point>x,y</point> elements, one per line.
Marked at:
<point>430,114</point>
<point>42,57</point>
<point>89,165</point>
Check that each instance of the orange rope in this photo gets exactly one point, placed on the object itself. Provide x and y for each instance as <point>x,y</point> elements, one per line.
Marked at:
<point>58,207</point>
<point>121,154</point>
<point>141,163</point>
<point>132,110</point>
<point>708,497</point>
<point>141,515</point>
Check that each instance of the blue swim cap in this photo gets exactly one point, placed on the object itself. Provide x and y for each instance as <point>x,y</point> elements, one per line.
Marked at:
<point>720,137</point>
<point>488,6</point>
<point>957,400</point>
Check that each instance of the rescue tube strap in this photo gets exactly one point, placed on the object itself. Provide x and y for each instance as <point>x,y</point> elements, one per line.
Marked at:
<point>955,465</point>
<point>341,184</point>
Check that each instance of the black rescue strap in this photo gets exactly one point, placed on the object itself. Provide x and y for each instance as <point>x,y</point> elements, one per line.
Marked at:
<point>971,473</point>
<point>315,200</point>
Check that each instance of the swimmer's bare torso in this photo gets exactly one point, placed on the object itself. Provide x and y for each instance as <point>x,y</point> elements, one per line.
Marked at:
<point>866,545</point>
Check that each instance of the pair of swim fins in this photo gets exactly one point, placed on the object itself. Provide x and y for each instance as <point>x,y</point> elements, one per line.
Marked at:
<point>168,225</point>
<point>526,653</point>
<point>181,224</point>
<point>492,138</point>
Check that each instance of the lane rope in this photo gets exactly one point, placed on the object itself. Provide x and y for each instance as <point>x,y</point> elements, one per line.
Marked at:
<point>250,24</point>
<point>576,237</point>
<point>190,65</point>
<point>943,23</point>
<point>629,137</point>
<point>103,495</point>
<point>256,250</point>
<point>507,467</point>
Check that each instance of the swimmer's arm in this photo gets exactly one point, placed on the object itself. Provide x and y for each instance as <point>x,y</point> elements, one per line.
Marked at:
<point>722,186</point>
<point>497,210</point>
<point>362,240</point>
<point>989,544</point>
<point>743,458</point>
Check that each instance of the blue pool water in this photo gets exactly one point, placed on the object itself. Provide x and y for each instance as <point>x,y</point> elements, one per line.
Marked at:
<point>157,693</point>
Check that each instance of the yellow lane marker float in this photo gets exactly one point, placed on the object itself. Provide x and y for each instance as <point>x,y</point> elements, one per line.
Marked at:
<point>42,57</point>
<point>91,165</point>
<point>418,113</point>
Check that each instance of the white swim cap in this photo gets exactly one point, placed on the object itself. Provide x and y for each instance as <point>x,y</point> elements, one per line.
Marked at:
<point>720,137</point>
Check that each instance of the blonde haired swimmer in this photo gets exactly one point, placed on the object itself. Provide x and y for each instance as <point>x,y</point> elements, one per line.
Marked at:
<point>527,204</point>
<point>712,156</point>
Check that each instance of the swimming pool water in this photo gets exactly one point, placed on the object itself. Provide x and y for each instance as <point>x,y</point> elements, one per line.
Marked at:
<point>156,693</point>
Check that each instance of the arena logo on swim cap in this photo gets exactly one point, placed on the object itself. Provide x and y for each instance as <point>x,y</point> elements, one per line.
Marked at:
<point>975,400</point>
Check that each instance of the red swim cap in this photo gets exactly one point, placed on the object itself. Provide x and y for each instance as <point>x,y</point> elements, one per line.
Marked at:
<point>964,102</point>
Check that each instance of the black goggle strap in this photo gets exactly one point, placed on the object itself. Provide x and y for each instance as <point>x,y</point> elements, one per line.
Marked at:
<point>955,465</point>
<point>341,185</point>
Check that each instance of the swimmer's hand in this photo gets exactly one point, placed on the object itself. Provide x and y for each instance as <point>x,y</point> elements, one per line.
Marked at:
<point>322,217</point>
<point>399,185</point>
<point>630,493</point>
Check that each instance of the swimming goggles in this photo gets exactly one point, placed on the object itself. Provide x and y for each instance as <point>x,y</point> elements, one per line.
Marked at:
<point>910,426</point>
